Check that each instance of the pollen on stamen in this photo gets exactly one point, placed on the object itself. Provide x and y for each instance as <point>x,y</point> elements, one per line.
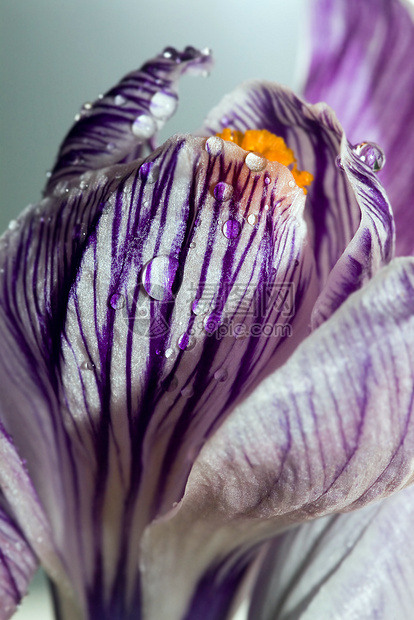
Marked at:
<point>265,144</point>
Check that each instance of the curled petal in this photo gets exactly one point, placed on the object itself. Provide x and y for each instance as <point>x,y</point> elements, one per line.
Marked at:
<point>327,432</point>
<point>117,126</point>
<point>360,65</point>
<point>350,222</point>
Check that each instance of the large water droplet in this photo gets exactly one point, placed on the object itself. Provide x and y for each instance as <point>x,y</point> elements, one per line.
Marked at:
<point>223,191</point>
<point>255,163</point>
<point>168,353</point>
<point>117,301</point>
<point>158,277</point>
<point>292,184</point>
<point>163,105</point>
<point>214,146</point>
<point>371,154</point>
<point>144,127</point>
<point>231,229</point>
<point>149,171</point>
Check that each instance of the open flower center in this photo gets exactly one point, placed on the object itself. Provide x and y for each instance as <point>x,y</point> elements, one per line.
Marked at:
<point>270,146</point>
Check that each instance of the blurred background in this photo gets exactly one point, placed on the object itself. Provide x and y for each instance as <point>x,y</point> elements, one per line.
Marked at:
<point>55,55</point>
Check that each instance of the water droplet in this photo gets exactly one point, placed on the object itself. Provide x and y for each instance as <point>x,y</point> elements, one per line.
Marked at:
<point>172,384</point>
<point>266,207</point>
<point>371,154</point>
<point>77,117</point>
<point>158,277</point>
<point>199,306</point>
<point>117,301</point>
<point>168,353</point>
<point>119,100</point>
<point>192,245</point>
<point>223,191</point>
<point>170,52</point>
<point>211,323</point>
<point>292,184</point>
<point>87,366</point>
<point>186,342</point>
<point>214,145</point>
<point>255,163</point>
<point>252,219</point>
<point>221,375</point>
<point>149,172</point>
<point>163,105</point>
<point>338,162</point>
<point>13,225</point>
<point>231,229</point>
<point>48,174</point>
<point>188,391</point>
<point>267,178</point>
<point>87,106</point>
<point>83,185</point>
<point>144,127</point>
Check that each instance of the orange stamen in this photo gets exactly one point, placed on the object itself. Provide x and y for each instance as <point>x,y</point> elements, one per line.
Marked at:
<point>270,146</point>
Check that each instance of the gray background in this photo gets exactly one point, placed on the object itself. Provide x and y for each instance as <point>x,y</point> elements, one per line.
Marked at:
<point>57,54</point>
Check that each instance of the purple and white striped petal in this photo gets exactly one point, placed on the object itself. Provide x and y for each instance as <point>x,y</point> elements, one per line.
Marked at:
<point>118,125</point>
<point>357,565</point>
<point>349,217</point>
<point>330,430</point>
<point>360,64</point>
<point>17,564</point>
<point>137,312</point>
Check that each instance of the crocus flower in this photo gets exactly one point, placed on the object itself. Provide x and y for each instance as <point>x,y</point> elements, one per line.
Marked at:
<point>206,345</point>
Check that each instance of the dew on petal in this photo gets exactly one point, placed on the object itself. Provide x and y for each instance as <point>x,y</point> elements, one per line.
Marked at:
<point>255,163</point>
<point>211,323</point>
<point>186,342</point>
<point>223,191</point>
<point>120,100</point>
<point>267,178</point>
<point>144,126</point>
<point>199,307</point>
<point>231,229</point>
<point>158,277</point>
<point>192,245</point>
<point>163,105</point>
<point>371,154</point>
<point>221,375</point>
<point>188,391</point>
<point>252,219</point>
<point>117,301</point>
<point>13,224</point>
<point>214,146</point>
<point>168,353</point>
<point>172,384</point>
<point>87,105</point>
<point>149,171</point>
<point>338,162</point>
<point>292,184</point>
<point>87,366</point>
